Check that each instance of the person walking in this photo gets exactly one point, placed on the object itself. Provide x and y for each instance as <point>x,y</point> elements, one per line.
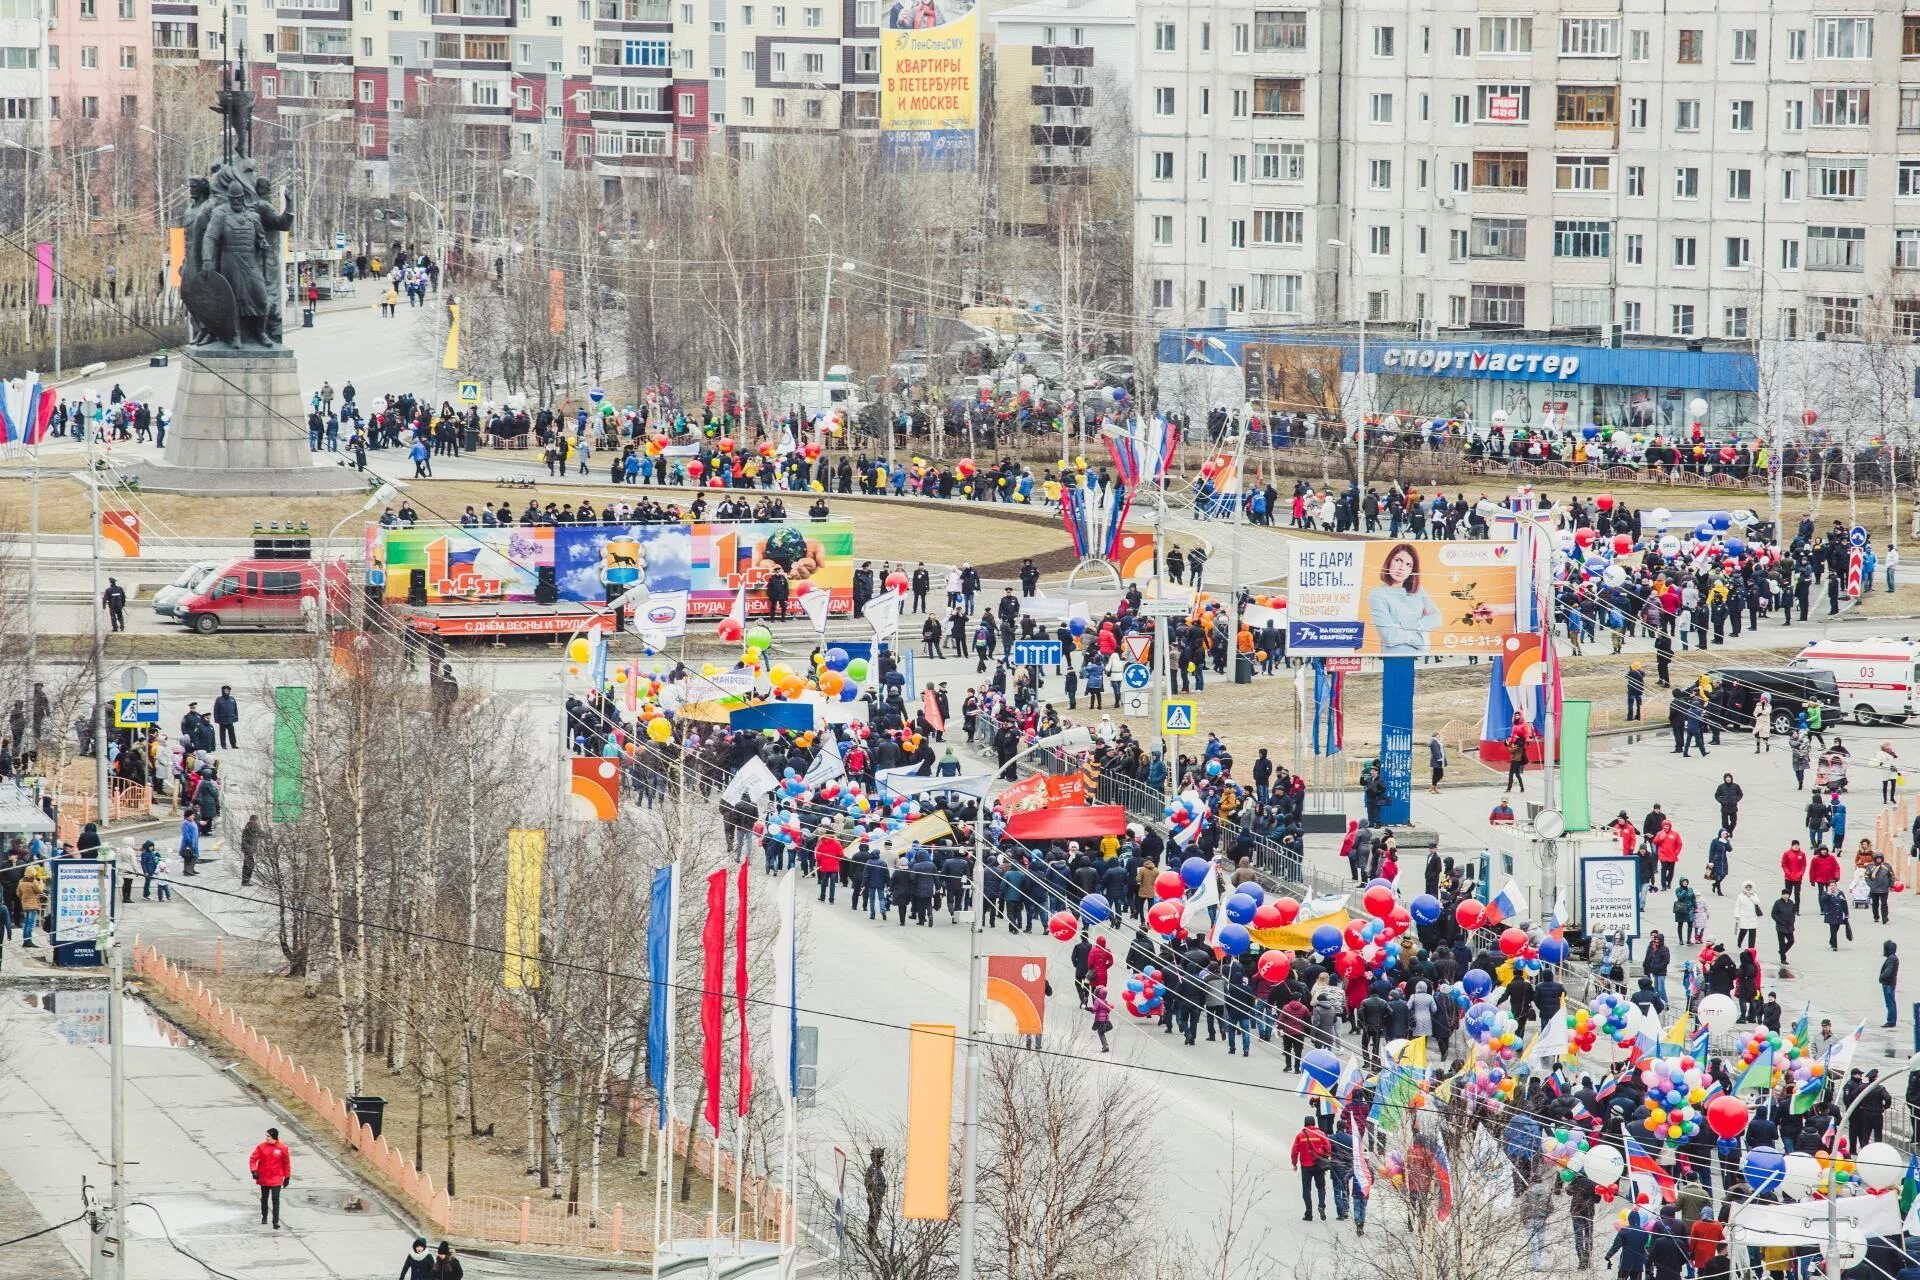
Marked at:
<point>1747,915</point>
<point>1728,796</point>
<point>1889,979</point>
<point>1102,1016</point>
<point>1312,1155</point>
<point>1833,912</point>
<point>418,1264</point>
<point>114,598</point>
<point>1879,877</point>
<point>446,1266</point>
<point>1793,870</point>
<point>1636,690</point>
<point>272,1167</point>
<point>1786,914</point>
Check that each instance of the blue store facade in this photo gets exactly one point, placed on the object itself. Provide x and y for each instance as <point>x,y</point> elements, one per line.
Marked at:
<point>1533,383</point>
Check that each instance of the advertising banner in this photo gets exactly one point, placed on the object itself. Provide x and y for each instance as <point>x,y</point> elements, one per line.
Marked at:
<point>80,894</point>
<point>1610,895</point>
<point>1043,791</point>
<point>1400,599</point>
<point>930,84</point>
<point>706,562</point>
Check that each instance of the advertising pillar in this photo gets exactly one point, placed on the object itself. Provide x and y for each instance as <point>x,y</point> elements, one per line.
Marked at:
<point>1396,739</point>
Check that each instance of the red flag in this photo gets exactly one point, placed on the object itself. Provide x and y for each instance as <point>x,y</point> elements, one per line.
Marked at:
<point>713,941</point>
<point>931,706</point>
<point>740,991</point>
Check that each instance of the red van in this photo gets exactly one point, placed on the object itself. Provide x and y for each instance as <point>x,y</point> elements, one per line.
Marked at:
<point>279,595</point>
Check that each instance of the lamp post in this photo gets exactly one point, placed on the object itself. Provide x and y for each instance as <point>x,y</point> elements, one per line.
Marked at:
<point>439,248</point>
<point>538,184</point>
<point>1078,738</point>
<point>826,297</point>
<point>1161,676</point>
<point>1359,364</point>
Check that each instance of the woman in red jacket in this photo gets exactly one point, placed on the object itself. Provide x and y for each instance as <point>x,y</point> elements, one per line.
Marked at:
<point>272,1168</point>
<point>827,853</point>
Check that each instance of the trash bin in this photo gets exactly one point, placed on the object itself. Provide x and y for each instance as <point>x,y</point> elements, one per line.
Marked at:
<point>470,438</point>
<point>306,317</point>
<point>157,361</point>
<point>1243,668</point>
<point>368,1110</point>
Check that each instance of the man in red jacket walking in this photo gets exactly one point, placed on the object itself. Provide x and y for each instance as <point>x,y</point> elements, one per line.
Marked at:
<point>1312,1155</point>
<point>272,1167</point>
<point>1793,871</point>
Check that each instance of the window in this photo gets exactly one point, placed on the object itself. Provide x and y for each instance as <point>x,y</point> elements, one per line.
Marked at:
<point>1163,37</point>
<point>1793,115</point>
<point>1797,46</point>
<point>1504,239</point>
<point>1161,293</point>
<point>1836,179</point>
<point>1286,97</point>
<point>89,10</point>
<point>1682,313</point>
<point>1457,182</point>
<point>1279,30</point>
<point>1634,250</point>
<point>1236,167</point>
<point>1237,293</point>
<point>1906,248</point>
<point>1499,304</point>
<point>1579,308</point>
<point>1834,315</point>
<point>1789,184</point>
<point>1849,38</point>
<point>1835,108</point>
<point>1582,173</point>
<point>1630,317</point>
<point>1380,175</point>
<point>1636,115</point>
<point>1463,42</point>
<point>1789,255</point>
<point>1585,106</point>
<point>779,108</point>
<point>269,86</point>
<point>1686,183</point>
<point>1739,252</point>
<point>779,15</point>
<point>1909,180</point>
<point>1280,293</point>
<point>21,57</point>
<point>1279,226</point>
<point>748,107</point>
<point>1382,108</point>
<point>1162,228</point>
<point>1503,103</point>
<point>1909,109</point>
<point>1242,40</point>
<point>1462,108</point>
<point>1503,36</point>
<point>1639,46</point>
<point>129,57</point>
<point>1692,48</point>
<point>1582,238</point>
<point>1419,175</point>
<point>1686,251</point>
<point>89,56</point>
<point>646,53</point>
<point>1379,241</point>
<point>1636,180</point>
<point>1236,233</point>
<point>813,65</point>
<point>1740,115</point>
<point>1457,310</point>
<point>1383,42</point>
<point>368,136</point>
<point>1733,322</point>
<point>1590,37</point>
<point>1500,170</point>
<point>866,13</point>
<point>1163,101</point>
<point>1456,246</point>
<point>1836,248</point>
<point>1906,318</point>
<point>89,108</point>
<point>1279,161</point>
<point>1746,45</point>
<point>1739,184</point>
<point>1686,115</point>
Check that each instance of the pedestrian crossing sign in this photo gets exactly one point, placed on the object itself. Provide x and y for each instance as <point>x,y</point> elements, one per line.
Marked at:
<point>469,393</point>
<point>1177,717</point>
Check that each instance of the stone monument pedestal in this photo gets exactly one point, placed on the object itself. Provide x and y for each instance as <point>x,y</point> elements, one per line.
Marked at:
<point>240,428</point>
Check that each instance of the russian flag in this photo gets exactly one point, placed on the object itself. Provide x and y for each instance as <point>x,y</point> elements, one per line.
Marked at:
<point>1510,902</point>
<point>1558,920</point>
<point>26,410</point>
<point>1642,1168</point>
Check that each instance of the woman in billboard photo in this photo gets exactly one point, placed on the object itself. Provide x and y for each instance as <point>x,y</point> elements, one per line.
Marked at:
<point>1401,613</point>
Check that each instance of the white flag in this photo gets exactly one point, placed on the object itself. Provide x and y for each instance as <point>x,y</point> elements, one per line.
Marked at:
<point>663,613</point>
<point>814,604</point>
<point>826,766</point>
<point>1197,918</point>
<point>1552,1043</point>
<point>753,780</point>
<point>883,615</point>
<point>738,613</point>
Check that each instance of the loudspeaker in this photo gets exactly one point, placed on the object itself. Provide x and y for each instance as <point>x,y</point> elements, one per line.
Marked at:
<point>416,586</point>
<point>545,589</point>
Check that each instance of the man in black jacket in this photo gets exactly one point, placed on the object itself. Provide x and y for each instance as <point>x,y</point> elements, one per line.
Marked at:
<point>226,717</point>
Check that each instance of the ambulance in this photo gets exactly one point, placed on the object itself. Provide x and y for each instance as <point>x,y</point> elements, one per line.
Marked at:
<point>1878,679</point>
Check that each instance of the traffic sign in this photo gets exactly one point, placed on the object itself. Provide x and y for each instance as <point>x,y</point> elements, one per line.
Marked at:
<point>1178,716</point>
<point>469,393</point>
<point>1164,608</point>
<point>1136,646</point>
<point>1857,535</point>
<point>133,710</point>
<point>1137,675</point>
<point>1036,653</point>
<point>1136,702</point>
<point>339,240</point>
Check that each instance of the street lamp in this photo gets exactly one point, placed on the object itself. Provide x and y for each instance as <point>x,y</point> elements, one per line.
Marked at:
<point>1359,365</point>
<point>1161,674</point>
<point>537,184</point>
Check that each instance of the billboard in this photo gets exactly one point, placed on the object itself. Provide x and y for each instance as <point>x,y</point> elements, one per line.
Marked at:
<point>1400,599</point>
<point>1291,377</point>
<point>930,84</point>
<point>707,561</point>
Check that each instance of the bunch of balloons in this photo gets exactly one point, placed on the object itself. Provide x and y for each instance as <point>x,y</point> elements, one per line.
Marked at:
<point>1142,995</point>
<point>1567,1149</point>
<point>1581,1032</point>
<point>1614,1013</point>
<point>1675,1089</point>
<point>1181,811</point>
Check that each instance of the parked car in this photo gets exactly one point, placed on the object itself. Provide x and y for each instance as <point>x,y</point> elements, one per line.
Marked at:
<point>1792,689</point>
<point>190,580</point>
<point>273,594</point>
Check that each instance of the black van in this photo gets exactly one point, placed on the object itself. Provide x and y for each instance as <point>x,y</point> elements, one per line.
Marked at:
<point>1792,689</point>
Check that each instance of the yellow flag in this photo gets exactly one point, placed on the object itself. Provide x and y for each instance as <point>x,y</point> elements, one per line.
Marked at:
<point>526,852</point>
<point>1677,1034</point>
<point>1414,1054</point>
<point>451,360</point>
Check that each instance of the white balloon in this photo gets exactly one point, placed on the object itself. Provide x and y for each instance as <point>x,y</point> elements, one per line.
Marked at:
<point>1500,417</point>
<point>1563,538</point>
<point>1606,1164</point>
<point>1880,1165</point>
<point>1801,1172</point>
<point>1697,407</point>
<point>1719,1013</point>
<point>1614,576</point>
<point>1669,546</point>
<point>1661,517</point>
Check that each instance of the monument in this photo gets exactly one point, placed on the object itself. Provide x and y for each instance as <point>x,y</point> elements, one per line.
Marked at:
<point>239,420</point>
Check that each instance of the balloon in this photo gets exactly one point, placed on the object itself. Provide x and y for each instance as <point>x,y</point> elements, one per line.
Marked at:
<point>1798,1174</point>
<point>1727,1116</point>
<point>1604,1165</point>
<point>1193,872</point>
<point>578,650</point>
<point>1719,1013</point>
<point>1063,926</point>
<point>1096,908</point>
<point>1670,546</point>
<point>1168,884</point>
<point>1764,1169</point>
<point>857,670</point>
<point>1378,900</point>
<point>1233,939</point>
<point>729,630</point>
<point>1425,908</point>
<point>659,730</point>
<point>1614,576</point>
<point>1240,908</point>
<point>836,659</point>
<point>1553,950</point>
<point>1251,890</point>
<point>1469,913</point>
<point>1697,407</point>
<point>1164,916</point>
<point>1274,965</point>
<point>1326,940</point>
<point>1289,909</point>
<point>1879,1165</point>
<point>758,636</point>
<point>1476,983</point>
<point>1321,1067</point>
<point>1266,916</point>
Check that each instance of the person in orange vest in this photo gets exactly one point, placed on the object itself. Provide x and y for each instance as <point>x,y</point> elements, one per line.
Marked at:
<point>272,1168</point>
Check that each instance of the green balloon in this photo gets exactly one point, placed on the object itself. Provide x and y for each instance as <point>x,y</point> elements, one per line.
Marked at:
<point>758,637</point>
<point>857,670</point>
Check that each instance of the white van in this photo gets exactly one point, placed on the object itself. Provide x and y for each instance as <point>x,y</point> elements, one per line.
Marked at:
<point>1878,679</point>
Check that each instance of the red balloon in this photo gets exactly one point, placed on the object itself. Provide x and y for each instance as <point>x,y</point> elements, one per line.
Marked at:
<point>1512,941</point>
<point>1274,965</point>
<point>1604,502</point>
<point>1378,900</point>
<point>696,469</point>
<point>1469,913</point>
<point>1164,917</point>
<point>1355,939</point>
<point>1168,884</point>
<point>1267,916</point>
<point>729,630</point>
<point>1584,537</point>
<point>1622,543</point>
<point>1399,920</point>
<point>1808,417</point>
<point>1063,926</point>
<point>1348,963</point>
<point>1289,910</point>
<point>1727,1116</point>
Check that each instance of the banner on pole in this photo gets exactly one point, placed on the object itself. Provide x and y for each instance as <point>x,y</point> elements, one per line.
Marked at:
<point>526,859</point>
<point>289,728</point>
<point>926,1192</point>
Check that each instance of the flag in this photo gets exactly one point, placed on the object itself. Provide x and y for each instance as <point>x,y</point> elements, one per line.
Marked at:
<point>26,409</point>
<point>1197,917</point>
<point>1552,1043</point>
<point>1840,1055</point>
<point>1673,1043</point>
<point>663,923</point>
<point>713,942</point>
<point>931,706</point>
<point>740,992</point>
<point>883,615</point>
<point>1187,835</point>
<point>1442,1180</point>
<point>1509,903</point>
<point>737,612</point>
<point>1413,1055</point>
<point>752,781</point>
<point>826,765</point>
<point>1362,1171</point>
<point>451,359</point>
<point>1699,1043</point>
<point>786,1010</point>
<point>1393,1098</point>
<point>815,604</point>
<point>1606,1089</point>
<point>1558,920</point>
<point>1910,1189</point>
<point>1646,1174</point>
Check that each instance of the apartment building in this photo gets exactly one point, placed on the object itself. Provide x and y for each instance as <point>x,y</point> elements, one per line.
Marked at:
<point>1694,174</point>
<point>1063,102</point>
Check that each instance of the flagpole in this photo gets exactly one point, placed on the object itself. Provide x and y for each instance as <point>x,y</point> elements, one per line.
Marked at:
<point>663,1162</point>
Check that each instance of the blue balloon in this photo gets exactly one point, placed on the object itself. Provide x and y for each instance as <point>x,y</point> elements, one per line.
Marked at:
<point>1703,534</point>
<point>1721,521</point>
<point>1764,1169</point>
<point>1240,908</point>
<point>1251,890</point>
<point>1327,940</point>
<point>1136,986</point>
<point>1425,909</point>
<point>1321,1067</point>
<point>1234,939</point>
<point>837,659</point>
<point>1736,546</point>
<point>1477,983</point>
<point>1590,431</point>
<point>1077,626</point>
<point>1096,908</point>
<point>1380,883</point>
<point>1193,872</point>
<point>1213,768</point>
<point>849,691</point>
<point>1553,950</point>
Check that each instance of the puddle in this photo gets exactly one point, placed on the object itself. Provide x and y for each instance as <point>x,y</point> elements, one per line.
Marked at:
<point>79,1017</point>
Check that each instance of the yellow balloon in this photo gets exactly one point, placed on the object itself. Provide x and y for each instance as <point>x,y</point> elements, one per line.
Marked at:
<point>620,676</point>
<point>577,649</point>
<point>709,670</point>
<point>659,730</point>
